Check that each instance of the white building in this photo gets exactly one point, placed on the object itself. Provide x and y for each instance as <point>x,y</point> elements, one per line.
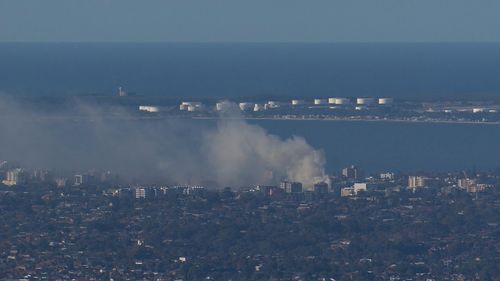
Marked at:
<point>258,107</point>
<point>121,92</point>
<point>385,101</point>
<point>190,106</point>
<point>466,183</point>
<point>141,193</point>
<point>347,191</point>
<point>149,108</point>
<point>339,101</point>
<point>246,106</point>
<point>358,187</point>
<point>416,182</point>
<point>365,101</point>
<point>387,176</point>
<point>79,180</point>
<point>224,106</point>
<point>298,102</point>
<point>320,101</point>
<point>15,177</point>
<point>273,104</point>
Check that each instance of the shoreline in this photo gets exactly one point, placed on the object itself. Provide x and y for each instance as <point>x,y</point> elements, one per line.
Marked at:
<point>355,120</point>
<point>164,117</point>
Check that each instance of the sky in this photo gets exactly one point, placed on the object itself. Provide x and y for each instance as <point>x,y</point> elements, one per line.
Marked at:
<point>250,21</point>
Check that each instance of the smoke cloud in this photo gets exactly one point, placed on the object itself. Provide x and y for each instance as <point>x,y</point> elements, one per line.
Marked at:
<point>79,136</point>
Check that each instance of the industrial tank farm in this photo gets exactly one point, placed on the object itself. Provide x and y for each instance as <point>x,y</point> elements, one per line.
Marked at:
<point>385,101</point>
<point>365,101</point>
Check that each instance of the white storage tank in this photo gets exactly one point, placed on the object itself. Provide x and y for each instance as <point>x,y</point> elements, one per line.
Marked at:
<point>273,104</point>
<point>298,102</point>
<point>320,101</point>
<point>365,101</point>
<point>192,108</point>
<point>258,107</point>
<point>186,104</point>
<point>245,106</point>
<point>224,105</point>
<point>385,101</point>
<point>342,101</point>
<point>149,108</point>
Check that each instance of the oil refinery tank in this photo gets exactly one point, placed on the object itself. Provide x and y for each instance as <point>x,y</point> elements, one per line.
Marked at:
<point>246,106</point>
<point>273,104</point>
<point>385,101</point>
<point>149,108</point>
<point>224,105</point>
<point>258,107</point>
<point>320,101</point>
<point>192,108</point>
<point>365,101</point>
<point>190,105</point>
<point>298,102</point>
<point>342,101</point>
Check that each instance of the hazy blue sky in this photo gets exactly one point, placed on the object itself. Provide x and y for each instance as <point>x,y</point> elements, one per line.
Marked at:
<point>251,20</point>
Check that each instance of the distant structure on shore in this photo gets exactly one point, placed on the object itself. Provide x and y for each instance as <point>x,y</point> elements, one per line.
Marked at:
<point>385,101</point>
<point>360,103</point>
<point>149,108</point>
<point>121,92</point>
<point>339,101</point>
<point>190,106</point>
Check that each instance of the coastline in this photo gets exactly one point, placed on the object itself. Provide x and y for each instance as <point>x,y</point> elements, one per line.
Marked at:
<point>353,120</point>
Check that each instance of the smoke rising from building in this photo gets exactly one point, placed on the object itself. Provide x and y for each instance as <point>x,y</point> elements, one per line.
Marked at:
<point>223,152</point>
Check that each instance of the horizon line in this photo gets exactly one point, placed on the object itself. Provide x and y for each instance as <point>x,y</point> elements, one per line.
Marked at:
<point>243,42</point>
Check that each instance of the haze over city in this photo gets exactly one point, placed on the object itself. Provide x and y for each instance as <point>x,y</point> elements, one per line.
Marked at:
<point>249,140</point>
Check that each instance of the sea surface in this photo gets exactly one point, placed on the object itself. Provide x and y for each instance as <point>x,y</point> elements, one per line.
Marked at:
<point>242,70</point>
<point>403,71</point>
<point>397,146</point>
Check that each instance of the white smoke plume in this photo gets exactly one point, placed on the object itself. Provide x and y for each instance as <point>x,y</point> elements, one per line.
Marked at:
<point>225,152</point>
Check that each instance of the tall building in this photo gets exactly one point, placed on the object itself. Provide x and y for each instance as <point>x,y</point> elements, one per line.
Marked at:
<point>360,187</point>
<point>121,92</point>
<point>416,182</point>
<point>321,188</point>
<point>79,179</point>
<point>141,193</point>
<point>60,182</point>
<point>266,189</point>
<point>41,175</point>
<point>84,179</point>
<point>351,172</point>
<point>347,191</point>
<point>291,187</point>
<point>387,176</point>
<point>15,177</point>
<point>466,183</point>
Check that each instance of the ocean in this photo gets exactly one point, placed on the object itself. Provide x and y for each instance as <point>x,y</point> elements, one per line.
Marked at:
<point>247,70</point>
<point>396,146</point>
<point>238,71</point>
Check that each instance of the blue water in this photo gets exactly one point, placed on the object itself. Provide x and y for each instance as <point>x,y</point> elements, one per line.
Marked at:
<point>234,70</point>
<point>283,70</point>
<point>391,146</point>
